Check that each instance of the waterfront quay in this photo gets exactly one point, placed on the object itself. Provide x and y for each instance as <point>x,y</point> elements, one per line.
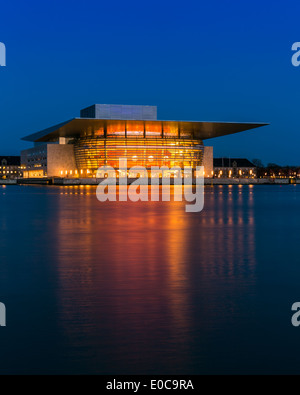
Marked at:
<point>96,181</point>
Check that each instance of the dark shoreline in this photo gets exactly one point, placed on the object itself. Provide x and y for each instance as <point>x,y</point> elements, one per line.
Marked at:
<point>94,181</point>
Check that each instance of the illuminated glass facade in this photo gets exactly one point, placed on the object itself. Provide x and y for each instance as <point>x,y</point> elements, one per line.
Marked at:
<point>142,143</point>
<point>92,153</point>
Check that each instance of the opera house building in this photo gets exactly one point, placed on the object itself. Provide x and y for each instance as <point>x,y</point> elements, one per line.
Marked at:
<point>104,133</point>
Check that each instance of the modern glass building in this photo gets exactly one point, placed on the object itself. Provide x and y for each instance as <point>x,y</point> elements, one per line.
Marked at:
<point>105,133</point>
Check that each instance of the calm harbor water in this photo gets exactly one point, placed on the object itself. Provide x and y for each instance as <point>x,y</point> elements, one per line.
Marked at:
<point>146,288</point>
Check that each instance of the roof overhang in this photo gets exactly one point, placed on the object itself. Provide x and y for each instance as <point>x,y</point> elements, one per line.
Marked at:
<point>80,126</point>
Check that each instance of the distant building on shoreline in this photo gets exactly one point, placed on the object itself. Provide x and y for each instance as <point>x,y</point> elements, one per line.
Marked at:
<point>105,132</point>
<point>234,167</point>
<point>275,171</point>
<point>10,167</point>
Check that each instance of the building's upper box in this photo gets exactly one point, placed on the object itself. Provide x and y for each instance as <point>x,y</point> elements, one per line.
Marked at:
<point>120,111</point>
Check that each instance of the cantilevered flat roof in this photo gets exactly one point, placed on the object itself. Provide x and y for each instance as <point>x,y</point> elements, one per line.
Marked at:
<point>79,126</point>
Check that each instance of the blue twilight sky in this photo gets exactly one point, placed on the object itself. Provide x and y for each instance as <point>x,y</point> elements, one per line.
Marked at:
<point>196,60</point>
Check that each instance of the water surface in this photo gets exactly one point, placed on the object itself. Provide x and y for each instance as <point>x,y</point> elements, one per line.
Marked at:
<point>124,288</point>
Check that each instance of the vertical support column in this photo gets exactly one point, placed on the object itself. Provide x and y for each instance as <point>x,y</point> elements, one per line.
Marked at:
<point>105,129</point>
<point>105,148</point>
<point>145,149</point>
<point>125,142</point>
<point>162,130</point>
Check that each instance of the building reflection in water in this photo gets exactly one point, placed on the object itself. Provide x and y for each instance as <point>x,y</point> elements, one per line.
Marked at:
<point>140,284</point>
